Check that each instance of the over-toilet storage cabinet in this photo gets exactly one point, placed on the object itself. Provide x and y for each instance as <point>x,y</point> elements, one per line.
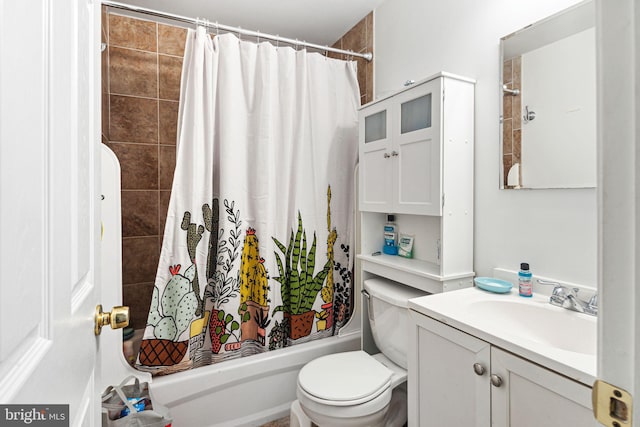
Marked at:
<point>416,160</point>
<point>460,380</point>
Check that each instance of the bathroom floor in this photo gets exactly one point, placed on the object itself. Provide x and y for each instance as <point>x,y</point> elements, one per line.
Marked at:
<point>282,422</point>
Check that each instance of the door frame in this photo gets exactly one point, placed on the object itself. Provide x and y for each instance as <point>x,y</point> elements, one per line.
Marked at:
<point>618,193</point>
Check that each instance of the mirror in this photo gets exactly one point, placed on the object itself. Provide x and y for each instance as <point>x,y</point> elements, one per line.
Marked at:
<point>548,102</point>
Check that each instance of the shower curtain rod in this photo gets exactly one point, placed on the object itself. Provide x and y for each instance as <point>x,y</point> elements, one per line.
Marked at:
<point>116,5</point>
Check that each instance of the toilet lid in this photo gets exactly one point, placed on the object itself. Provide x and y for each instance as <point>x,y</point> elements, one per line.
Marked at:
<point>346,376</point>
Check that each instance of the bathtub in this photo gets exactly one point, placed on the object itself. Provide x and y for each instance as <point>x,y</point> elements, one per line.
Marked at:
<point>247,391</point>
<point>243,392</point>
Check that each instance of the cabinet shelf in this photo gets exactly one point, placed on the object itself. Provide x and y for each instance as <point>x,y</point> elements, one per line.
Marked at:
<point>416,273</point>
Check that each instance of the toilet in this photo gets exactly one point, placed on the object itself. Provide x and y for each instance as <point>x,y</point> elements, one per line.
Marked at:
<point>355,388</point>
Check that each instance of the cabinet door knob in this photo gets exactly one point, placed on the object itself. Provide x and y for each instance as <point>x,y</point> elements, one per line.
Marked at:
<point>394,153</point>
<point>496,381</point>
<point>478,369</point>
<point>387,155</point>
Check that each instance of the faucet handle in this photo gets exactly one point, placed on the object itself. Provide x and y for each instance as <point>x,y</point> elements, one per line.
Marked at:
<point>593,301</point>
<point>558,289</point>
<point>592,306</point>
<point>558,295</point>
<point>548,282</point>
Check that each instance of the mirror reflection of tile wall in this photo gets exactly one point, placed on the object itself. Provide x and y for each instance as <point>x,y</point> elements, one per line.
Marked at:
<point>512,119</point>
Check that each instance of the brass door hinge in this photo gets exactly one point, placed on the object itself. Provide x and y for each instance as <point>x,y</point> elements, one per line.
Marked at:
<point>612,406</point>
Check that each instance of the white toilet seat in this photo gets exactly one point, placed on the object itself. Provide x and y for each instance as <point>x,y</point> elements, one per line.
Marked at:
<point>315,406</point>
<point>348,378</point>
<point>346,385</point>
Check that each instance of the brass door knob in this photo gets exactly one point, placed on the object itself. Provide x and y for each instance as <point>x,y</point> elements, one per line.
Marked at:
<point>118,318</point>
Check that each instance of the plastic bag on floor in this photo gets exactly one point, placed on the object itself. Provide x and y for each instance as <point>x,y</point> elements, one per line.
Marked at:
<point>131,405</point>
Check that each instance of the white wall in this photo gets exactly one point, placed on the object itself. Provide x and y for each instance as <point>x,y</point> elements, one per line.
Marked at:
<point>553,230</point>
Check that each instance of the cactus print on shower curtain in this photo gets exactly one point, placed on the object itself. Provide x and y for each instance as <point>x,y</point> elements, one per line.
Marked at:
<point>173,308</point>
<point>254,289</point>
<point>234,318</point>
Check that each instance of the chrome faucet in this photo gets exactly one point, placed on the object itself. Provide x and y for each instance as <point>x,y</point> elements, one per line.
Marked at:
<point>565,297</point>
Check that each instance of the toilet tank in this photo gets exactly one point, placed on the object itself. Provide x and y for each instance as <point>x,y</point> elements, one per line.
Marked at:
<point>389,317</point>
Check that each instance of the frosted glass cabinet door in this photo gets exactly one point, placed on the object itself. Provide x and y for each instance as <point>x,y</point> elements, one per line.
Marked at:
<point>418,146</point>
<point>376,163</point>
<point>375,126</point>
<point>415,114</point>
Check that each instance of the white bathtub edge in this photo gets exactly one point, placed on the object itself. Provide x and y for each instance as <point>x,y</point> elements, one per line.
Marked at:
<point>213,395</point>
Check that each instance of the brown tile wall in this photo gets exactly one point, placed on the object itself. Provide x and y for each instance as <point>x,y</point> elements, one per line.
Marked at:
<point>360,39</point>
<point>511,118</point>
<point>141,69</point>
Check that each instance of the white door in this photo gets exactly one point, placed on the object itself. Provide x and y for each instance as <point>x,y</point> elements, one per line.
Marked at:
<point>618,26</point>
<point>49,206</point>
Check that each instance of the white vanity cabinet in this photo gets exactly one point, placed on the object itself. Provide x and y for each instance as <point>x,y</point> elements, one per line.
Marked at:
<point>457,379</point>
<point>416,147</point>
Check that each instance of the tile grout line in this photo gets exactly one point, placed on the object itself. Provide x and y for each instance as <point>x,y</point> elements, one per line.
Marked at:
<point>141,237</point>
<point>134,142</point>
<point>146,51</point>
<point>125,95</point>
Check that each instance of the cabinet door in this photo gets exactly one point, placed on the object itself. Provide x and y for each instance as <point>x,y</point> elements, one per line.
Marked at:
<point>444,387</point>
<point>376,163</point>
<point>532,396</point>
<point>417,147</point>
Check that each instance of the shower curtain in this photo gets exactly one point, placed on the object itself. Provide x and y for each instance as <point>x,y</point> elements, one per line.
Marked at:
<point>257,248</point>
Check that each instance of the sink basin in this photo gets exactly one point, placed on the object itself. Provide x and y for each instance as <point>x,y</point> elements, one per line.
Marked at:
<point>541,322</point>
